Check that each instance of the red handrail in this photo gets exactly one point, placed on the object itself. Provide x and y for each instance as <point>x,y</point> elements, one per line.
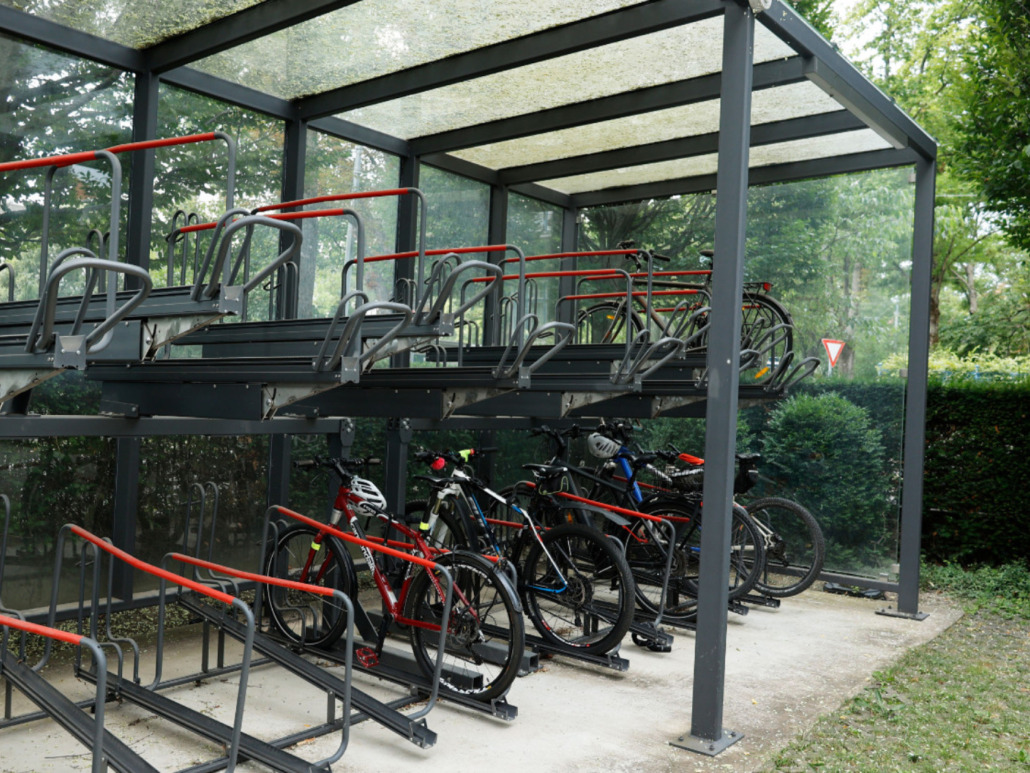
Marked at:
<point>334,197</point>
<point>602,505</point>
<point>635,293</point>
<point>588,254</point>
<point>157,571</point>
<point>42,630</point>
<point>324,527</point>
<point>67,159</point>
<point>457,250</point>
<point>262,578</point>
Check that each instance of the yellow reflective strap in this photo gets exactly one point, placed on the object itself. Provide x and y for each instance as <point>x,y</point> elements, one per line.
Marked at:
<point>424,525</point>
<point>465,454</point>
<point>316,546</point>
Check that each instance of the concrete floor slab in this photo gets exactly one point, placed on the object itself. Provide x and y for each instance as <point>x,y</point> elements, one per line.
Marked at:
<point>785,667</point>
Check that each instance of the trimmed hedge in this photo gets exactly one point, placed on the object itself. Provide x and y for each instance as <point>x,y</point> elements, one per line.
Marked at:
<point>977,462</point>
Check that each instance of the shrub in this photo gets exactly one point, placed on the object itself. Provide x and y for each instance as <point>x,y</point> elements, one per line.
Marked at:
<point>823,452</point>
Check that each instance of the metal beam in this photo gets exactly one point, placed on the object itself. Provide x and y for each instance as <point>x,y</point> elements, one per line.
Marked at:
<point>915,395</point>
<point>126,505</point>
<point>569,38</point>
<point>53,35</point>
<point>295,146</point>
<point>760,175</point>
<point>706,731</point>
<point>675,94</point>
<point>841,80</point>
<point>116,426</point>
<point>141,184</point>
<point>233,93</point>
<point>683,147</point>
<point>490,176</point>
<point>234,30</point>
<point>362,135</point>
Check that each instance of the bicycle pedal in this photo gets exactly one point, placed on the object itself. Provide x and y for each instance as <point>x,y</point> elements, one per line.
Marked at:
<point>660,646</point>
<point>367,657</point>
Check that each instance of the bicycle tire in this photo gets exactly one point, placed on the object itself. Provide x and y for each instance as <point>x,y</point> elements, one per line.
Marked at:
<point>586,602</point>
<point>306,618</point>
<point>794,546</point>
<point>647,555</point>
<point>747,549</point>
<point>605,323</point>
<point>485,626</point>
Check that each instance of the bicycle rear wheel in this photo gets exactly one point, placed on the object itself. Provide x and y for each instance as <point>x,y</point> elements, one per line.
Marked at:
<point>579,592</point>
<point>605,323</point>
<point>301,555</point>
<point>485,632</point>
<point>647,553</point>
<point>794,546</point>
<point>747,549</point>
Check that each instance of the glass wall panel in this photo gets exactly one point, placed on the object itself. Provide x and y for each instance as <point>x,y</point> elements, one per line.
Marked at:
<point>768,105</point>
<point>761,155</point>
<point>377,37</point>
<point>53,103</point>
<point>191,180</point>
<point>459,209</point>
<point>335,166</point>
<point>135,23</point>
<point>687,51</point>
<point>535,227</point>
<point>837,254</point>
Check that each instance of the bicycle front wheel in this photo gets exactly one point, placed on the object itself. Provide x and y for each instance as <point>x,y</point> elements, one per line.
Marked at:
<point>485,631</point>
<point>794,546</point>
<point>302,555</point>
<point>577,589</point>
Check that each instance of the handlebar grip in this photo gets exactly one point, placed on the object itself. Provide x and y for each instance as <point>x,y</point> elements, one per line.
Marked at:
<point>663,258</point>
<point>707,253</point>
<point>373,461</point>
<point>305,464</point>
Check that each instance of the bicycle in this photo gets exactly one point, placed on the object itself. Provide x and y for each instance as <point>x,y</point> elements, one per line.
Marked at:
<point>485,631</point>
<point>575,584</point>
<point>795,548</point>
<point>646,546</point>
<point>766,326</point>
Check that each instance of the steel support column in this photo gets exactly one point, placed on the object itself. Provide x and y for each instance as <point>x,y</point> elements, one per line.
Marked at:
<point>915,395</point>
<point>569,243</point>
<point>707,734</point>
<point>141,180</point>
<point>497,233</point>
<point>398,436</point>
<point>126,505</point>
<point>295,145</point>
<point>278,490</point>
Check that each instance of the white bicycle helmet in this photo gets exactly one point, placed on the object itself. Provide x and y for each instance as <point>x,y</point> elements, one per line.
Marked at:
<point>370,494</point>
<point>602,447</point>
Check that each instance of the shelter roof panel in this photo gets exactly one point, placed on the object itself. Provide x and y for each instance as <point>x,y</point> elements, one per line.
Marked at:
<point>134,23</point>
<point>686,51</point>
<point>373,38</point>
<point>844,143</point>
<point>768,105</point>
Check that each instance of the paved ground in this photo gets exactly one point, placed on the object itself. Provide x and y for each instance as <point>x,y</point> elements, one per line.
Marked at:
<point>785,667</point>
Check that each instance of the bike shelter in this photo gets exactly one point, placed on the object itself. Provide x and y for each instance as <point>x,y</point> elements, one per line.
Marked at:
<point>513,366</point>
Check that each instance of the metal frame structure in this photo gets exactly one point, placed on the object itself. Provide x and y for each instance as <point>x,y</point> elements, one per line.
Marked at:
<point>816,61</point>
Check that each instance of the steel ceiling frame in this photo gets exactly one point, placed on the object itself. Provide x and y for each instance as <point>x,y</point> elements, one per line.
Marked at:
<point>817,62</point>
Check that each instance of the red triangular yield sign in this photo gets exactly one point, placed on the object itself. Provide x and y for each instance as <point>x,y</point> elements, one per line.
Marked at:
<point>833,349</point>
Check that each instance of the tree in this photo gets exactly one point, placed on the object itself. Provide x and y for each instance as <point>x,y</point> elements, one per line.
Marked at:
<point>994,128</point>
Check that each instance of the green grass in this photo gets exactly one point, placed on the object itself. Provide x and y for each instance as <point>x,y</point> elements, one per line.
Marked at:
<point>960,702</point>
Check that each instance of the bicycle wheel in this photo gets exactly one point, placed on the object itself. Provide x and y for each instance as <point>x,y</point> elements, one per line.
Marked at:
<point>605,323</point>
<point>760,315</point>
<point>647,553</point>
<point>306,618</point>
<point>485,632</point>
<point>447,533</point>
<point>794,546</point>
<point>579,593</point>
<point>747,549</point>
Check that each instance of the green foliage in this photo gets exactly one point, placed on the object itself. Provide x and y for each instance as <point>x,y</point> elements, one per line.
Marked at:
<point>977,459</point>
<point>1001,589</point>
<point>824,452</point>
<point>945,366</point>
<point>994,129</point>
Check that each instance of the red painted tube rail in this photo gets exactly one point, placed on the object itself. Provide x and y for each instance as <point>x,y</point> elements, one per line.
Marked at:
<point>324,527</point>
<point>588,254</point>
<point>42,630</point>
<point>156,571</point>
<point>67,159</point>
